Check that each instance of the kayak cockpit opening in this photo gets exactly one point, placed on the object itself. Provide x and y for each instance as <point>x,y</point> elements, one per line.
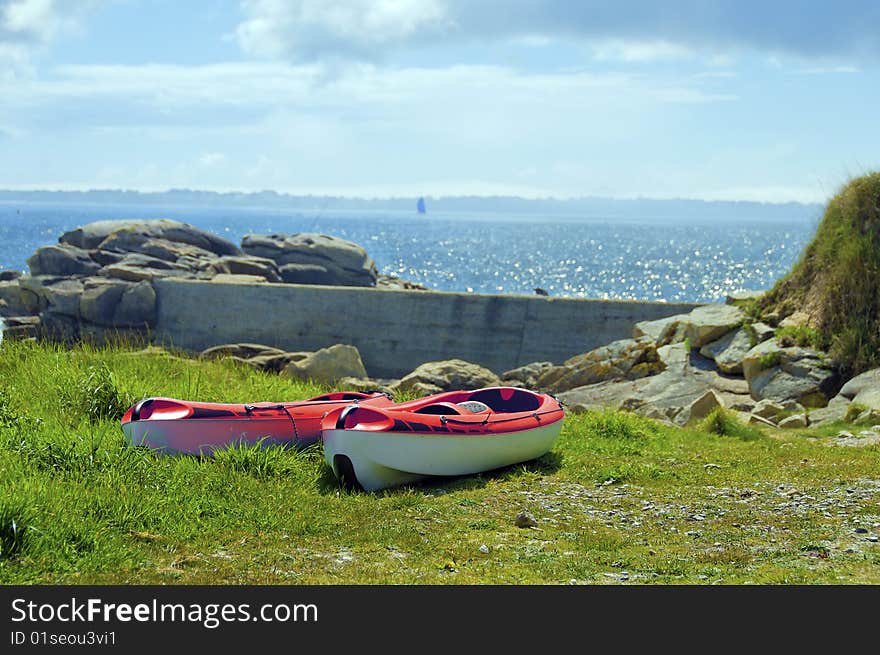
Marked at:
<point>507,400</point>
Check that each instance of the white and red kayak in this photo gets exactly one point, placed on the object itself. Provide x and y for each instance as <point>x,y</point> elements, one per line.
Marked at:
<point>375,446</point>
<point>182,426</point>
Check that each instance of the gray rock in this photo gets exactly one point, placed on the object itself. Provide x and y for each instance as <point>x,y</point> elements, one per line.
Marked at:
<point>760,420</point>
<point>392,282</point>
<point>244,265</point>
<point>364,385</point>
<point>525,520</point>
<point>20,327</point>
<point>93,234</point>
<point>243,350</point>
<point>729,350</point>
<point>9,275</point>
<point>761,332</point>
<point>612,394</point>
<point>832,413</point>
<point>137,307</point>
<point>710,322</point>
<point>626,359</point>
<point>701,326</point>
<point>869,397</point>
<point>674,356</point>
<point>328,365</point>
<point>345,261</point>
<point>307,274</point>
<point>793,373</point>
<point>274,363</point>
<point>237,278</point>
<point>11,303</point>
<point>863,382</point>
<point>62,261</point>
<point>59,327</point>
<point>742,294</point>
<point>794,421</point>
<point>657,328</point>
<point>768,409</point>
<point>142,243</point>
<point>135,267</point>
<point>113,303</point>
<point>525,376</point>
<point>447,375</point>
<point>699,408</point>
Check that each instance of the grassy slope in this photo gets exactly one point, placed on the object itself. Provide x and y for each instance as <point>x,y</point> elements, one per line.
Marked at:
<point>837,279</point>
<point>619,498</point>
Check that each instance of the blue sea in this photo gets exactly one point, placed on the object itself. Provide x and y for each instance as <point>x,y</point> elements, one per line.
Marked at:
<point>686,261</point>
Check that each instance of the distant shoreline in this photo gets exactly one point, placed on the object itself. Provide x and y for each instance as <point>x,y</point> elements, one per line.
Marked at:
<point>589,208</point>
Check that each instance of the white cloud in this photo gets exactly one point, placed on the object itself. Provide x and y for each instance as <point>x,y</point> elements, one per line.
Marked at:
<point>27,26</point>
<point>212,159</point>
<point>641,51</point>
<point>637,30</point>
<point>314,28</point>
<point>831,70</point>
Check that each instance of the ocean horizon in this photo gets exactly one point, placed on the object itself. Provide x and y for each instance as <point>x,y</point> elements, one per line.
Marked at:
<point>686,260</point>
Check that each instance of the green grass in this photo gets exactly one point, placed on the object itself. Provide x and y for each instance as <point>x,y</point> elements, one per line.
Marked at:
<point>801,335</point>
<point>620,498</point>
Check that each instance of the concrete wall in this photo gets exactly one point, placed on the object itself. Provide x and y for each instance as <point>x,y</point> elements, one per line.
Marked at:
<point>395,330</point>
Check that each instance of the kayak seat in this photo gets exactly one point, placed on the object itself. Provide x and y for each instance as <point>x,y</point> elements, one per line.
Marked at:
<point>473,406</point>
<point>508,400</point>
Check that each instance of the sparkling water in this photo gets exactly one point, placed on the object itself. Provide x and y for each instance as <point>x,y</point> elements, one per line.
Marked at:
<point>588,258</point>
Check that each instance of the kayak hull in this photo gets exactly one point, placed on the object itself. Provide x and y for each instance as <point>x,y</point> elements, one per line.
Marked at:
<point>449,434</point>
<point>170,425</point>
<point>380,460</point>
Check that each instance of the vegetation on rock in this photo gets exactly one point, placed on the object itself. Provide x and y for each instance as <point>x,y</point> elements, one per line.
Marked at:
<point>836,282</point>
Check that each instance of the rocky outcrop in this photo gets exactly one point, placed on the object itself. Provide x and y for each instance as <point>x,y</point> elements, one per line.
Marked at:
<point>314,258</point>
<point>790,373</point>
<point>328,365</point>
<point>96,278</point>
<point>448,375</point>
<point>258,356</point>
<point>123,235</point>
<point>62,261</point>
<point>244,265</point>
<point>525,376</point>
<point>392,282</point>
<point>729,350</point>
<point>701,326</point>
<point>626,359</point>
<point>864,389</point>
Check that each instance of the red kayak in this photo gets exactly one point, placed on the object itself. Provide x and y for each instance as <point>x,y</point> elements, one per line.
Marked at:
<point>171,425</point>
<point>375,446</point>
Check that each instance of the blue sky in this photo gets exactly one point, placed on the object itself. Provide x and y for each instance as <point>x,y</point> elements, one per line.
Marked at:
<point>770,101</point>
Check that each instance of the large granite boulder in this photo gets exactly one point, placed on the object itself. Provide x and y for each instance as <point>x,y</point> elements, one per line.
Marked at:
<point>94,235</point>
<point>790,373</point>
<point>116,303</point>
<point>864,389</point>
<point>135,267</point>
<point>259,356</point>
<point>11,303</point>
<point>245,265</point>
<point>626,359</point>
<point>328,365</point>
<point>525,376</point>
<point>345,262</point>
<point>62,260</point>
<point>448,375</point>
<point>700,327</point>
<point>729,350</point>
<point>54,294</point>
